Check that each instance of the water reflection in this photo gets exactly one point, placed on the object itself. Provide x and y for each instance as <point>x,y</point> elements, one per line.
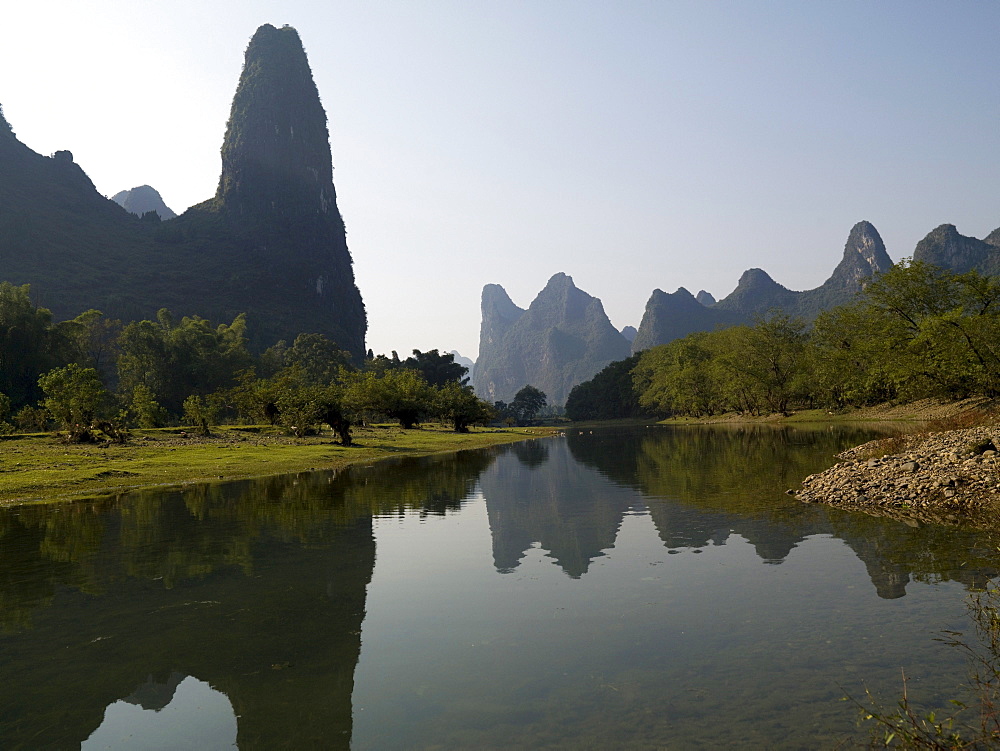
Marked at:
<point>179,712</point>
<point>256,587</point>
<point>702,485</point>
<point>259,589</point>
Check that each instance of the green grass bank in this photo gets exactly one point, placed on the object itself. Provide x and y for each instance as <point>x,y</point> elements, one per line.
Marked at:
<point>42,468</point>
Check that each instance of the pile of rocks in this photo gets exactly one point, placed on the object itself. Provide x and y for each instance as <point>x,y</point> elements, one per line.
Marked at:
<point>955,470</point>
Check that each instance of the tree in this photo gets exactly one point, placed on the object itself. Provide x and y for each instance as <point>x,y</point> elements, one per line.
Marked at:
<point>608,395</point>
<point>26,345</point>
<point>437,369</point>
<point>460,406</point>
<point>177,360</point>
<point>145,410</point>
<point>401,394</point>
<point>770,355</point>
<point>527,403</point>
<point>319,359</point>
<point>75,397</point>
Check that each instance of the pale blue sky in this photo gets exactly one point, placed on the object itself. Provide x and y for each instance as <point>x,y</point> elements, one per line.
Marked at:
<point>632,145</point>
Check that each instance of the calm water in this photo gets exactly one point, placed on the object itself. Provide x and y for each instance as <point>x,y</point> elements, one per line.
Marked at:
<point>645,588</point>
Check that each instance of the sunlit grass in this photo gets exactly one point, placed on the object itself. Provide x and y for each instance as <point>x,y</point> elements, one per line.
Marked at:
<point>41,467</point>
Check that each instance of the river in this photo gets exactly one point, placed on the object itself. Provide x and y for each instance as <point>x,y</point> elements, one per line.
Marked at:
<point>620,588</point>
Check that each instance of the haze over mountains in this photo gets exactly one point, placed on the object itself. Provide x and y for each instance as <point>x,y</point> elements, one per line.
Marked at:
<point>271,242</point>
<point>561,344</point>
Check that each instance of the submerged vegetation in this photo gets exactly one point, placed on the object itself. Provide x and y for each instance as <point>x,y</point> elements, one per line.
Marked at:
<point>973,722</point>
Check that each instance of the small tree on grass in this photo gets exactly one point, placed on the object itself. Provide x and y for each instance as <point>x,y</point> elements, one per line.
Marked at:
<point>75,397</point>
<point>460,406</point>
<point>201,413</point>
<point>144,408</point>
<point>527,403</point>
<point>5,427</point>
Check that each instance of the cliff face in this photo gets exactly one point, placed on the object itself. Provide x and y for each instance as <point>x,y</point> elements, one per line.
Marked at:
<point>562,339</point>
<point>944,247</point>
<point>864,256</point>
<point>270,244</point>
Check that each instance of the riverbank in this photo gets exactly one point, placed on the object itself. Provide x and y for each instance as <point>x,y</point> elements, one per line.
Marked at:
<point>942,476</point>
<point>42,468</point>
<point>922,411</point>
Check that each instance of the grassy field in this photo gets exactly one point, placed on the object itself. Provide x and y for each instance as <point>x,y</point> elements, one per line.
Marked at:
<point>41,467</point>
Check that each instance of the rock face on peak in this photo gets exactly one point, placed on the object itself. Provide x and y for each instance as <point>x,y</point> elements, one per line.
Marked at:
<point>141,200</point>
<point>562,339</point>
<point>629,333</point>
<point>944,247</point>
<point>270,243</point>
<point>864,256</point>
<point>705,298</point>
<point>670,316</point>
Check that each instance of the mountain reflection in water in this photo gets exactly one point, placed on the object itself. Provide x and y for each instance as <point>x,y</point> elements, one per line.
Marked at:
<point>259,588</point>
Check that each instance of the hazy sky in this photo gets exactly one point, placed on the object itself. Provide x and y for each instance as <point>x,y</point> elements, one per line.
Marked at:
<point>632,145</point>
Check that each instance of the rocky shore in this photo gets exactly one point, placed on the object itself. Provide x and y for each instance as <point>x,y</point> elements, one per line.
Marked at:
<point>943,475</point>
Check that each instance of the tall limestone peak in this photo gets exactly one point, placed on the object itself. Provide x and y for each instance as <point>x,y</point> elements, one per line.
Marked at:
<point>562,339</point>
<point>945,247</point>
<point>705,298</point>
<point>864,256</point>
<point>276,153</point>
<point>993,238</point>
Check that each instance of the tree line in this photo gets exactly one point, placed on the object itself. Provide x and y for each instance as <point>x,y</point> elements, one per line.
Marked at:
<point>916,331</point>
<point>92,375</point>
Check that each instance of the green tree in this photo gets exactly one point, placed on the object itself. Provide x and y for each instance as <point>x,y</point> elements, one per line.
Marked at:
<point>770,355</point>
<point>459,405</point>
<point>677,377</point>
<point>319,359</point>
<point>400,394</point>
<point>608,395</point>
<point>527,403</point>
<point>75,397</point>
<point>145,410</point>
<point>201,413</point>
<point>26,344</point>
<point>177,360</point>
<point>437,369</point>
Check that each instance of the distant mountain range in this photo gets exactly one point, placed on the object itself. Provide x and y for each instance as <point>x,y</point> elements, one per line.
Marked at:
<point>270,243</point>
<point>565,338</point>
